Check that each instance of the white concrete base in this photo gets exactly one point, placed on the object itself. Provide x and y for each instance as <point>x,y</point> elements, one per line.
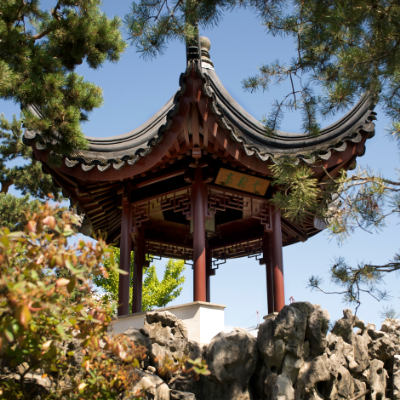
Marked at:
<point>203,320</point>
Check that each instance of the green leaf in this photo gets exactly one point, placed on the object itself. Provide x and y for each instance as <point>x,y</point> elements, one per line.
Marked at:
<point>9,336</point>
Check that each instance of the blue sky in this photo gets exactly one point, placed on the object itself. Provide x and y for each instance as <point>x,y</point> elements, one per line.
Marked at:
<point>135,89</point>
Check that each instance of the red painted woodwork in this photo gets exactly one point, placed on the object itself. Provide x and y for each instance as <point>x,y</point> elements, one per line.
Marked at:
<point>268,270</point>
<point>125,259</point>
<point>199,204</point>
<point>277,260</point>
<point>139,261</point>
<point>208,274</point>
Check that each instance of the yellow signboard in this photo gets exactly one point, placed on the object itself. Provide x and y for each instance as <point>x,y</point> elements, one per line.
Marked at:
<point>237,180</point>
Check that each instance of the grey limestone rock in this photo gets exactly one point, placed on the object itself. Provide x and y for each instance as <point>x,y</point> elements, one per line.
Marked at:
<point>396,377</point>
<point>184,383</point>
<point>291,367</point>
<point>232,359</point>
<point>168,336</point>
<point>383,348</point>
<point>177,395</point>
<point>149,386</point>
<point>314,379</point>
<point>359,387</point>
<point>377,380</point>
<point>391,326</point>
<point>317,326</point>
<point>283,388</point>
<point>343,383</point>
<point>342,350</point>
<point>282,335</point>
<point>344,326</point>
<point>140,337</point>
<point>361,341</point>
<point>291,359</point>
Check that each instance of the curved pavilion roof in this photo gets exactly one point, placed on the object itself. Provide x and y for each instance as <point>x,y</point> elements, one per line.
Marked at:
<point>202,122</point>
<point>128,148</point>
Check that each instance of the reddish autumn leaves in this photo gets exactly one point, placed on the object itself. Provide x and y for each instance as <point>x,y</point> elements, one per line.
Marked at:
<point>53,327</point>
<point>50,320</point>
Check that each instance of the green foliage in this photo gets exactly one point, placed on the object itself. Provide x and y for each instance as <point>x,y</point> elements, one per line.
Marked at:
<point>152,24</point>
<point>39,51</point>
<point>52,327</point>
<point>354,281</point>
<point>298,193</point>
<point>347,48</point>
<point>344,47</point>
<point>28,178</point>
<point>155,293</point>
<point>159,294</point>
<point>366,200</point>
<point>13,211</point>
<point>43,329</point>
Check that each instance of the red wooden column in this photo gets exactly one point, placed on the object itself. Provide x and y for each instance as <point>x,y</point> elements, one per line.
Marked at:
<point>199,204</point>
<point>209,272</point>
<point>268,271</point>
<point>139,260</point>
<point>125,258</point>
<point>277,260</point>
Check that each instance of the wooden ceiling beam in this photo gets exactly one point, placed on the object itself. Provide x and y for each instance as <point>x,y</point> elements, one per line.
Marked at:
<point>293,230</point>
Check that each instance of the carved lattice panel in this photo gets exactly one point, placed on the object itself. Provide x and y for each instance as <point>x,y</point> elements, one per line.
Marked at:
<point>254,208</point>
<point>177,201</point>
<point>249,248</point>
<point>168,250</point>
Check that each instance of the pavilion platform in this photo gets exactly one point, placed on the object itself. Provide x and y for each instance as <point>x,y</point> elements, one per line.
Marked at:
<point>203,320</point>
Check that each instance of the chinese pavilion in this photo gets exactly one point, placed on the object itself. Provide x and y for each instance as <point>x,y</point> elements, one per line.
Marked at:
<point>193,182</point>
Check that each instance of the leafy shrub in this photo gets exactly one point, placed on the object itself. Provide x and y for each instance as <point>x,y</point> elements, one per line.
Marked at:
<point>53,330</point>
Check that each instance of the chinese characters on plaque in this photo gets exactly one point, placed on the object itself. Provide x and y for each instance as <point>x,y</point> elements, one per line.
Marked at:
<point>247,183</point>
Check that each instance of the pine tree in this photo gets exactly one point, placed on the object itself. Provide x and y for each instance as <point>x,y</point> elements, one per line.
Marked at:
<point>39,51</point>
<point>344,49</point>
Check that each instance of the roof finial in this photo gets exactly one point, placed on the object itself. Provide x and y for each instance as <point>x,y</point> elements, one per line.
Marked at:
<point>205,46</point>
<point>193,46</point>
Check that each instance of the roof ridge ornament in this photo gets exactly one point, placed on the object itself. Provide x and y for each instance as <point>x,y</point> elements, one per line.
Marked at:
<point>193,46</point>
<point>205,46</point>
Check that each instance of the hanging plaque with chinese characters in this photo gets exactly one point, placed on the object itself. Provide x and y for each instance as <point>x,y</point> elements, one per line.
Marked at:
<point>239,181</point>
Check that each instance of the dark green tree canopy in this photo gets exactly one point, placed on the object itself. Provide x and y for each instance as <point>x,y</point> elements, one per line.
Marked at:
<point>39,51</point>
<point>344,48</point>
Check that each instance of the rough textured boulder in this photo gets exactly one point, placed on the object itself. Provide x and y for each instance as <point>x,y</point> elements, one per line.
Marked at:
<point>377,380</point>
<point>150,386</point>
<point>314,378</point>
<point>183,383</point>
<point>232,359</point>
<point>342,350</point>
<point>140,338</point>
<point>281,335</point>
<point>177,395</point>
<point>316,328</point>
<point>297,334</point>
<point>168,336</point>
<point>292,358</point>
<point>383,348</point>
<point>344,326</point>
<point>396,378</point>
